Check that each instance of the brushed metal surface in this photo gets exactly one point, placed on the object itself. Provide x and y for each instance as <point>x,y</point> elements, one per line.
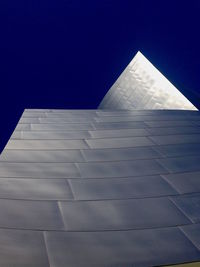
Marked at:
<point>116,188</point>
<point>142,86</point>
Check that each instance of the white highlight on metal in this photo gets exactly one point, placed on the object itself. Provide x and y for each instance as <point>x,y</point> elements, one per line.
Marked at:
<point>142,86</point>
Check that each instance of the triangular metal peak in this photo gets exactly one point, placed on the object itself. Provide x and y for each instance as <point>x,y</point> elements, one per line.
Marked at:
<point>142,86</point>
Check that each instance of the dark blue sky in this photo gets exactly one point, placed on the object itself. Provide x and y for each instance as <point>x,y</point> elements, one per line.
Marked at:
<point>67,53</point>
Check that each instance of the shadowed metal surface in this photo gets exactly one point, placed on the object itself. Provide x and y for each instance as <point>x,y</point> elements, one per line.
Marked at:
<point>101,188</point>
<point>96,188</point>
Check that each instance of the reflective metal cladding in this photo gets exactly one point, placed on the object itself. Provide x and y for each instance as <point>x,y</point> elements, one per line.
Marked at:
<point>142,86</point>
<point>96,188</point>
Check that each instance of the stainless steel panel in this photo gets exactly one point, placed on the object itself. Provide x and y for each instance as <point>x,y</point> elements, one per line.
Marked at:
<point>186,182</point>
<point>35,189</point>
<point>38,170</point>
<point>182,164</point>
<point>121,214</point>
<point>173,130</point>
<point>55,135</point>
<point>171,123</point>
<point>189,205</point>
<point>41,156</point>
<point>46,144</point>
<point>120,154</point>
<point>23,214</point>
<point>29,120</point>
<point>178,150</point>
<point>121,188</point>
<point>65,120</point>
<point>120,169</point>
<point>61,127</point>
<point>175,139</point>
<point>119,125</point>
<point>192,232</point>
<point>118,133</point>
<point>22,248</point>
<point>119,142</point>
<point>156,117</point>
<point>23,127</point>
<point>152,247</point>
<point>16,135</point>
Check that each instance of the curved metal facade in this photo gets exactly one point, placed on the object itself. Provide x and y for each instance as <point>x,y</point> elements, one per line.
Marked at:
<point>96,188</point>
<point>101,188</point>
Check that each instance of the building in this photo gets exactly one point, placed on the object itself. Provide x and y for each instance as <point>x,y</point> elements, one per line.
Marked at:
<point>113,187</point>
<point>142,86</point>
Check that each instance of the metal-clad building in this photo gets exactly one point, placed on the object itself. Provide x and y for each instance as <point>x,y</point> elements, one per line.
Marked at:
<point>107,187</point>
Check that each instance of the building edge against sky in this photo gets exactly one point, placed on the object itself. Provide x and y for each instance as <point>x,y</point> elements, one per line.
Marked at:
<point>142,86</point>
<point>85,188</point>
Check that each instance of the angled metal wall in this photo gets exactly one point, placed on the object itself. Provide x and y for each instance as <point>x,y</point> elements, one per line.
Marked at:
<point>101,188</point>
<point>142,86</point>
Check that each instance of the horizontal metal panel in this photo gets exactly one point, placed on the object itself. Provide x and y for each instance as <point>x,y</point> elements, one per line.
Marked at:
<point>39,170</point>
<point>119,142</point>
<point>23,214</point>
<point>40,156</point>
<point>61,127</point>
<point>118,133</point>
<point>121,214</point>
<point>181,164</point>
<point>120,154</point>
<point>121,188</point>
<point>152,247</point>
<point>35,189</point>
<point>186,182</point>
<point>175,139</point>
<point>46,144</point>
<point>48,135</point>
<point>120,169</point>
<point>22,248</point>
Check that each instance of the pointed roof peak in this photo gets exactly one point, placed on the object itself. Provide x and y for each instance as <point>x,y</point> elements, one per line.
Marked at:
<point>142,86</point>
